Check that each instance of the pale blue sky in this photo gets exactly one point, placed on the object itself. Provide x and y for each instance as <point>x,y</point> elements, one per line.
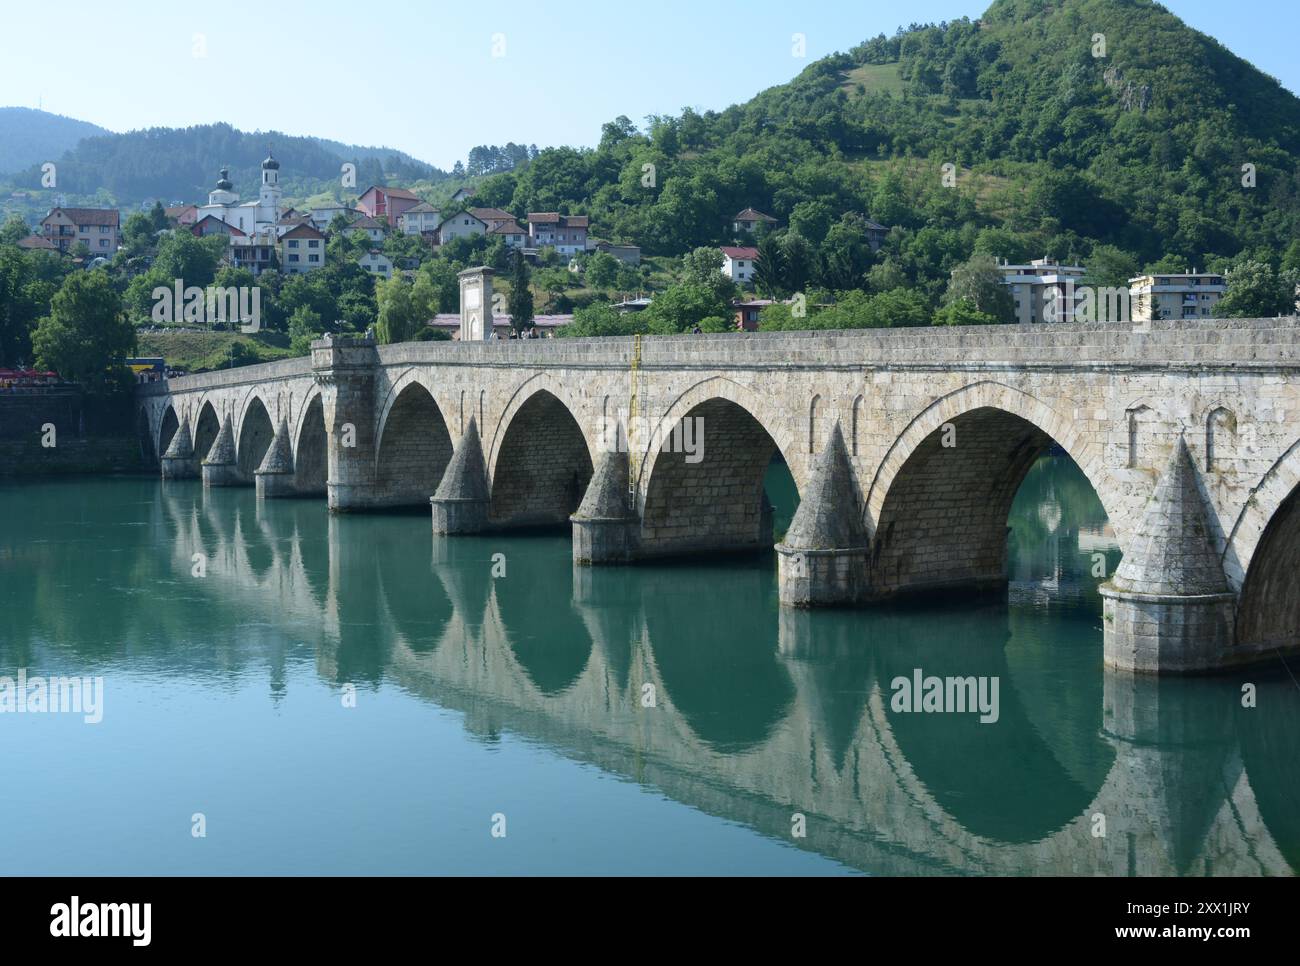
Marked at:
<point>419,75</point>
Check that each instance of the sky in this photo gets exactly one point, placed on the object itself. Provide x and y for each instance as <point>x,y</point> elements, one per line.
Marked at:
<point>434,79</point>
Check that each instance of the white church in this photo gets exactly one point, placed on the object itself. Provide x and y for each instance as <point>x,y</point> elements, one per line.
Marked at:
<point>250,217</point>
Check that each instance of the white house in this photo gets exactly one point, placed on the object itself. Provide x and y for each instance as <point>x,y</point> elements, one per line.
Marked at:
<point>367,226</point>
<point>566,233</point>
<point>302,249</point>
<point>422,219</point>
<point>322,217</point>
<point>738,262</point>
<point>463,224</point>
<point>377,263</point>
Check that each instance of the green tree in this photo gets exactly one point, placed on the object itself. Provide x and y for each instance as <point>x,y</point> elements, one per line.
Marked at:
<point>979,282</point>
<point>399,316</point>
<point>602,270</point>
<point>520,302</point>
<point>1256,291</point>
<point>13,230</point>
<point>304,326</point>
<point>86,336</point>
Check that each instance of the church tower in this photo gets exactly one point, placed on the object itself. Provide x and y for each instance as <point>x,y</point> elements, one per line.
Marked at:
<point>224,192</point>
<point>268,198</point>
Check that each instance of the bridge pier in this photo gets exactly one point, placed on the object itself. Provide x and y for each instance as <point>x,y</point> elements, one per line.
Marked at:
<point>823,558</point>
<point>605,526</point>
<point>275,474</point>
<point>220,467</point>
<point>1169,608</point>
<point>463,498</point>
<point>179,461</point>
<point>344,367</point>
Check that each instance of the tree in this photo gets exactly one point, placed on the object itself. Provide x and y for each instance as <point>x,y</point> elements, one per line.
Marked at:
<point>602,270</point>
<point>23,298</point>
<point>1110,267</point>
<point>14,230</point>
<point>703,267</point>
<point>304,326</point>
<point>963,312</point>
<point>520,302</point>
<point>979,282</point>
<point>399,316</point>
<point>86,336</point>
<point>1256,291</point>
<point>769,268</point>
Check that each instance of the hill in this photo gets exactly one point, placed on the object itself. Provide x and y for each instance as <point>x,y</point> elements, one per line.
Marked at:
<point>182,164</point>
<point>31,137</point>
<point>1059,142</point>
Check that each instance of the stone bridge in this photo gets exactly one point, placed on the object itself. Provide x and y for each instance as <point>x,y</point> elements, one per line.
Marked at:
<point>907,447</point>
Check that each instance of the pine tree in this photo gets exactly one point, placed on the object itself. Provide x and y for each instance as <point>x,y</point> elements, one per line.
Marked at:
<point>521,296</point>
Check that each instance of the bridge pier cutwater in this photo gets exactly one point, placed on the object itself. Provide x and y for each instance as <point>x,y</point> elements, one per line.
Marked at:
<point>907,448</point>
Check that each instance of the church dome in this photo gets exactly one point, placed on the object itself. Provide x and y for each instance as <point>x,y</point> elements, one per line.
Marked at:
<point>223,183</point>
<point>270,164</point>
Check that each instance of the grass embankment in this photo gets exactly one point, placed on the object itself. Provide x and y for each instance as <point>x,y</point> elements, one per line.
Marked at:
<point>196,351</point>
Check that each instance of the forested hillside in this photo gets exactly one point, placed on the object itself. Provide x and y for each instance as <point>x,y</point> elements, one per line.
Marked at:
<point>1057,150</point>
<point>182,163</point>
<point>30,137</point>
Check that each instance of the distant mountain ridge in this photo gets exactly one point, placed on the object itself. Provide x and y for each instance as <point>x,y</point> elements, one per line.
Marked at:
<point>31,137</point>
<point>182,164</point>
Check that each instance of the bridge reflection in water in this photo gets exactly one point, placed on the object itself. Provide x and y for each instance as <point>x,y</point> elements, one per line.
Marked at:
<point>760,712</point>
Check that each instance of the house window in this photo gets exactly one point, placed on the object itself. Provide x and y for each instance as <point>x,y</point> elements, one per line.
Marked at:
<point>293,258</point>
<point>313,258</point>
<point>103,243</point>
<point>293,243</point>
<point>314,243</point>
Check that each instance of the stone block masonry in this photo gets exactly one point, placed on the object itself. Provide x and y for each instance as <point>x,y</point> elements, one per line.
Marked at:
<point>929,516</point>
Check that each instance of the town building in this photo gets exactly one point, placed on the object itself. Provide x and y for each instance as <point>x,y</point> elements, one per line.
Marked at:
<point>421,219</point>
<point>100,229</point>
<point>545,326</point>
<point>38,243</point>
<point>463,224</point>
<point>567,234</point>
<point>248,216</point>
<point>627,254</point>
<point>749,221</point>
<point>876,234</point>
<point>738,262</point>
<point>256,252</point>
<point>376,263</point>
<point>212,225</point>
<point>302,248</point>
<point>1188,295</point>
<point>182,215</point>
<point>1044,290</point>
<point>365,225</point>
<point>511,231</point>
<point>387,204</point>
<point>324,216</point>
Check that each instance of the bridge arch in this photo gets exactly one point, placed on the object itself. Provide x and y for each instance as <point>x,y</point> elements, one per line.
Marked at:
<point>255,432</point>
<point>713,499</point>
<point>1263,554</point>
<point>310,447</point>
<point>168,426</point>
<point>206,428</point>
<point>539,458</point>
<point>940,499</point>
<point>414,444</point>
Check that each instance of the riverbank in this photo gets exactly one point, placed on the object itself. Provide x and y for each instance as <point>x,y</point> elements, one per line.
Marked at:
<point>64,432</point>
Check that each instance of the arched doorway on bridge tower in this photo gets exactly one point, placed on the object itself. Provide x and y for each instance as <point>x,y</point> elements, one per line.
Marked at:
<point>167,430</point>
<point>1268,613</point>
<point>707,490</point>
<point>254,438</point>
<point>148,453</point>
<point>414,449</point>
<point>946,523</point>
<point>542,468</point>
<point>205,431</point>
<point>311,454</point>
